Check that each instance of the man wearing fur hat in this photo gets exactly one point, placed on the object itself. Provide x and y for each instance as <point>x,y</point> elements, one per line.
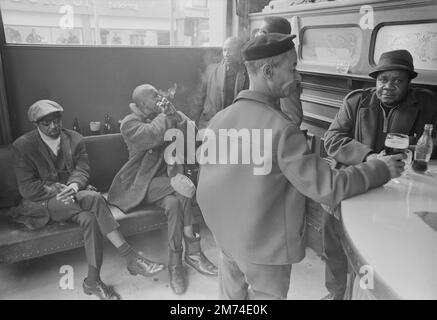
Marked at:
<point>358,132</point>
<point>52,169</point>
<point>258,220</point>
<point>147,179</point>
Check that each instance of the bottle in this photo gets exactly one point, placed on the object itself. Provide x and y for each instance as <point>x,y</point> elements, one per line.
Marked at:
<point>76,125</point>
<point>107,125</point>
<point>423,150</point>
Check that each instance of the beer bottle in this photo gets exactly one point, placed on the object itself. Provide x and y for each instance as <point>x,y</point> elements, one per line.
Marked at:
<point>76,125</point>
<point>423,150</point>
<point>107,125</point>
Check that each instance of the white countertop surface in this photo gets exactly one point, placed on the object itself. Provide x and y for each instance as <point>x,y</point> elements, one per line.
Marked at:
<point>399,246</point>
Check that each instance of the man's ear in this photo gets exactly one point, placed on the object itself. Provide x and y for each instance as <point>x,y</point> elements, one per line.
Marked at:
<point>267,71</point>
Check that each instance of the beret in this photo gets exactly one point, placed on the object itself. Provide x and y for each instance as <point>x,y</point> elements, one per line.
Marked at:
<point>267,45</point>
<point>41,108</point>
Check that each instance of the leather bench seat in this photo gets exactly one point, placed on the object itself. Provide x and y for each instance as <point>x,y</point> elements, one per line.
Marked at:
<point>107,153</point>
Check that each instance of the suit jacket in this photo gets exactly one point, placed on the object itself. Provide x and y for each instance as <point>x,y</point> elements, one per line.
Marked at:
<point>359,127</point>
<point>213,93</point>
<point>144,138</point>
<point>261,218</point>
<point>36,173</point>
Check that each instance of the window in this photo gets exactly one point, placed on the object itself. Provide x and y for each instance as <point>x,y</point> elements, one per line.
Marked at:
<point>339,45</point>
<point>419,39</point>
<point>115,22</point>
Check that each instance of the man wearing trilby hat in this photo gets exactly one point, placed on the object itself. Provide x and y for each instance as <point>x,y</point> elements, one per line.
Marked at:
<point>358,132</point>
<point>258,220</point>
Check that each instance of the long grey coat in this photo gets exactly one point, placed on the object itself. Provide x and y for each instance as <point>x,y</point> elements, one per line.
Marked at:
<point>261,218</point>
<point>145,141</point>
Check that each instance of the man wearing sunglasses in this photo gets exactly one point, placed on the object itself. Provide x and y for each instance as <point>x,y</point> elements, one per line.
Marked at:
<point>52,170</point>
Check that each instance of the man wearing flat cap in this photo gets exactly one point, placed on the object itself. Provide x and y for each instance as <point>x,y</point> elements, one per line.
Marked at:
<point>258,219</point>
<point>52,170</point>
<point>358,132</point>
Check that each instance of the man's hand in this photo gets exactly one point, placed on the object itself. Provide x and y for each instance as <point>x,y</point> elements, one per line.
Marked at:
<point>374,156</point>
<point>67,194</point>
<point>395,164</point>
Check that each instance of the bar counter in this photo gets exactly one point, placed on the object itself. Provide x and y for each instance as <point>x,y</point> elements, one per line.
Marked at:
<point>384,235</point>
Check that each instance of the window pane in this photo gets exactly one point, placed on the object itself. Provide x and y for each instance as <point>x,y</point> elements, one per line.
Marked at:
<point>419,39</point>
<point>332,46</point>
<point>115,22</point>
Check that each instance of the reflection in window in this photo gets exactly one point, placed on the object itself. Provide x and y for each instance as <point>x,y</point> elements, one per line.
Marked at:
<point>419,39</point>
<point>115,22</point>
<point>332,46</point>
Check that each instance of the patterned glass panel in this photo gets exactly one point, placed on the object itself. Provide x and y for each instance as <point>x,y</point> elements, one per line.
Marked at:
<point>332,45</point>
<point>419,39</point>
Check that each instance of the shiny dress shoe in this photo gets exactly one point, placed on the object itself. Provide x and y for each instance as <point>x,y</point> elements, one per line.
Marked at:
<point>101,290</point>
<point>142,265</point>
<point>195,257</point>
<point>178,279</point>
<point>201,263</point>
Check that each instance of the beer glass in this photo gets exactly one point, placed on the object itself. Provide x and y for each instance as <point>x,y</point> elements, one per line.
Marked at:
<point>398,143</point>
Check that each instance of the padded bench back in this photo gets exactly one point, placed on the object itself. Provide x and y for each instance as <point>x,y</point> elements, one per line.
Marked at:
<point>9,195</point>
<point>107,154</point>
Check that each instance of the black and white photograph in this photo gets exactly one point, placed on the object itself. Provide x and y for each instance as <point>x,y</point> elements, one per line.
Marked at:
<point>210,152</point>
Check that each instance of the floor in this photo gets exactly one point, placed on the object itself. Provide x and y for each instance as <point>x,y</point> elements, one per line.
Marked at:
<point>44,278</point>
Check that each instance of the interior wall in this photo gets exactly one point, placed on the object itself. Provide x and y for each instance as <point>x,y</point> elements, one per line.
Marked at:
<point>90,82</point>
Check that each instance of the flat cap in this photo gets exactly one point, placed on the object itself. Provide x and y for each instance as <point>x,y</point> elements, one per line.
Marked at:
<point>267,45</point>
<point>41,108</point>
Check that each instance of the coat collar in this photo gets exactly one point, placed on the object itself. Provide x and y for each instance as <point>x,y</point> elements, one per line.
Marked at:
<point>259,97</point>
<point>140,114</point>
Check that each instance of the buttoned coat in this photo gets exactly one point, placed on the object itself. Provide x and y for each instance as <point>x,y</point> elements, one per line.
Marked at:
<point>144,138</point>
<point>360,128</point>
<point>261,218</point>
<point>36,173</point>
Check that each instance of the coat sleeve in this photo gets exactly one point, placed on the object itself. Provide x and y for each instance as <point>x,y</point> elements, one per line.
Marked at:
<point>81,172</point>
<point>339,141</point>
<point>145,136</point>
<point>30,185</point>
<point>313,177</point>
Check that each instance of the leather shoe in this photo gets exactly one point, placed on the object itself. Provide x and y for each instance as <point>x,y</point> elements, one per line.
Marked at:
<point>101,290</point>
<point>201,263</point>
<point>178,279</point>
<point>142,265</point>
<point>195,257</point>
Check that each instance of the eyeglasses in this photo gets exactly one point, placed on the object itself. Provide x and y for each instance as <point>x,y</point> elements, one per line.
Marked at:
<point>46,123</point>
